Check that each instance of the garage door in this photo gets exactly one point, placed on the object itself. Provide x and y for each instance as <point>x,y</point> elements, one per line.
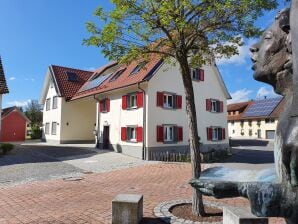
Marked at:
<point>270,134</point>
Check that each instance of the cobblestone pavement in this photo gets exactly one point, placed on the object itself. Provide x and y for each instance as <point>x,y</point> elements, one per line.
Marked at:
<point>89,200</point>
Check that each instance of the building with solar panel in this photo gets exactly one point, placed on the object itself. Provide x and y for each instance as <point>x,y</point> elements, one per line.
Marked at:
<point>255,119</point>
<point>136,109</point>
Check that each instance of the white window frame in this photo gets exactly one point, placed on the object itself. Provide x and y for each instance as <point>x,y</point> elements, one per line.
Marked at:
<point>47,128</point>
<point>169,133</point>
<point>130,98</point>
<point>131,133</point>
<point>48,104</point>
<point>55,102</point>
<point>214,106</point>
<point>166,100</point>
<point>52,129</point>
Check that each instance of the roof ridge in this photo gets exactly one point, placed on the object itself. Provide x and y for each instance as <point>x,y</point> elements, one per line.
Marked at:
<point>72,68</point>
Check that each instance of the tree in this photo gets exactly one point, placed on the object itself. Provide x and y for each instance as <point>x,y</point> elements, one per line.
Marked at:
<point>191,33</point>
<point>34,113</point>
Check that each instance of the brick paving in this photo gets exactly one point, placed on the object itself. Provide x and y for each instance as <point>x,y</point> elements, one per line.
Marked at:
<point>89,200</point>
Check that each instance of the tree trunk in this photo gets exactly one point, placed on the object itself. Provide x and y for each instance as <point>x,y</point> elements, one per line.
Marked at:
<point>197,206</point>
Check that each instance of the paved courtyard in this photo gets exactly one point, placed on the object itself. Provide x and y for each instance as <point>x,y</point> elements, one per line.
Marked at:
<point>88,200</point>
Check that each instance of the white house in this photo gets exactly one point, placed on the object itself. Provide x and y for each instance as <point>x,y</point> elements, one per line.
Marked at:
<point>140,109</point>
<point>3,87</point>
<point>255,119</point>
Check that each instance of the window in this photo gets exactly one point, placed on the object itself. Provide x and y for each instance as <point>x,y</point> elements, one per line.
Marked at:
<point>47,128</point>
<point>138,68</point>
<point>250,132</point>
<point>241,123</point>
<point>249,123</point>
<point>216,134</point>
<point>259,123</point>
<point>55,102</point>
<point>197,74</point>
<point>168,133</point>
<point>104,105</point>
<point>232,123</point>
<point>48,104</point>
<point>269,120</point>
<point>29,132</point>
<point>54,128</point>
<point>132,101</point>
<point>214,106</point>
<point>168,101</point>
<point>233,131</point>
<point>131,134</point>
<point>117,75</point>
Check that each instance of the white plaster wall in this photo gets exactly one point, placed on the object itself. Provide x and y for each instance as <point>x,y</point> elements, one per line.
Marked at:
<point>168,79</point>
<point>78,120</point>
<point>52,115</point>
<point>254,127</point>
<point>118,118</point>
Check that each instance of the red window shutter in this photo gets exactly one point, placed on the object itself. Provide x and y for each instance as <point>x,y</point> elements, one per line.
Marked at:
<point>223,133</point>
<point>123,134</point>
<point>124,102</point>
<point>180,134</point>
<point>139,134</point>
<point>159,99</point>
<point>201,75</point>
<point>221,106</point>
<point>140,99</point>
<point>100,106</point>
<point>108,105</point>
<point>179,102</point>
<point>159,133</point>
<point>208,104</point>
<point>209,134</point>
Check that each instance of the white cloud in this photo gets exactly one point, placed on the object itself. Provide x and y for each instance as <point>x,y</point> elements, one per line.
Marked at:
<point>241,58</point>
<point>19,103</point>
<point>265,92</point>
<point>240,96</point>
<point>12,78</point>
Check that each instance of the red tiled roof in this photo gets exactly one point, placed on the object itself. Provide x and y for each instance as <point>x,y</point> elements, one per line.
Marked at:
<point>240,107</point>
<point>69,88</point>
<point>124,80</point>
<point>3,85</point>
<point>8,110</point>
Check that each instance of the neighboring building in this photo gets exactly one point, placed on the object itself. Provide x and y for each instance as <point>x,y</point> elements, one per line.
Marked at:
<point>3,87</point>
<point>14,125</point>
<point>255,119</point>
<point>65,121</point>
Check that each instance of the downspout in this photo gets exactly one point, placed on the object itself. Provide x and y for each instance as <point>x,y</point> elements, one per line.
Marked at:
<point>144,122</point>
<point>98,124</point>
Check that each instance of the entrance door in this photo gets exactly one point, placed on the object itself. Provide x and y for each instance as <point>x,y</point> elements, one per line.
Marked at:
<point>259,133</point>
<point>106,137</point>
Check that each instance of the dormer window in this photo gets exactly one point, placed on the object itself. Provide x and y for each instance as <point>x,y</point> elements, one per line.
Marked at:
<point>117,75</point>
<point>137,68</point>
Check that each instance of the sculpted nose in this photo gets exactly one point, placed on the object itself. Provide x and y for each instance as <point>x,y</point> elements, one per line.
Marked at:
<point>254,49</point>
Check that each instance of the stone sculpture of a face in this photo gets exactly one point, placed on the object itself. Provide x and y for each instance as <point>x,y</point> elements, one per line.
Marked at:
<point>271,55</point>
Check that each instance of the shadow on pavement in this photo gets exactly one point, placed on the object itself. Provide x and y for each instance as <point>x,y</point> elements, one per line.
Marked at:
<point>250,156</point>
<point>42,154</point>
<point>151,220</point>
<point>248,142</point>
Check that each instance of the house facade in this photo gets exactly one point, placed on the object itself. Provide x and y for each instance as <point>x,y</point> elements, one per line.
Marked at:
<point>64,121</point>
<point>3,87</point>
<point>13,125</point>
<point>254,119</point>
<point>141,111</point>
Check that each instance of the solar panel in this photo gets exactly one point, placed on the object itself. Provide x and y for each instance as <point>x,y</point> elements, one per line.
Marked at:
<point>72,77</point>
<point>262,107</point>
<point>95,82</point>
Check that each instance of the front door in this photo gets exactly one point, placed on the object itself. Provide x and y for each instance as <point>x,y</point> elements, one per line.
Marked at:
<point>259,133</point>
<point>106,137</point>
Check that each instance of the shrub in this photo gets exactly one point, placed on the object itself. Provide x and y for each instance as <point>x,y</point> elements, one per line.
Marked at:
<point>5,147</point>
<point>36,133</point>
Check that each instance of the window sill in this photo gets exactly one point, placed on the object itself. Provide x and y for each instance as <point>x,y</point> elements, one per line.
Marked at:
<point>132,141</point>
<point>131,108</point>
<point>170,142</point>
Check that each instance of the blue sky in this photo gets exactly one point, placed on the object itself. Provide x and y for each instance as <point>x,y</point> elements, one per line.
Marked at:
<point>36,34</point>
